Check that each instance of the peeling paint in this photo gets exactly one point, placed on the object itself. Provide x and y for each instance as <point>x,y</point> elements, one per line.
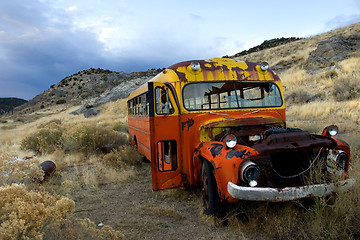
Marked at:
<point>189,123</point>
<point>216,149</point>
<point>234,153</point>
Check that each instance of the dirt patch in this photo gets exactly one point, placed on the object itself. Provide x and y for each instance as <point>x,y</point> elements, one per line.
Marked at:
<point>139,213</point>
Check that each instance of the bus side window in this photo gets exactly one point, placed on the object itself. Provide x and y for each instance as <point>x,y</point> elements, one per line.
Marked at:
<point>167,155</point>
<point>163,103</point>
<point>147,104</point>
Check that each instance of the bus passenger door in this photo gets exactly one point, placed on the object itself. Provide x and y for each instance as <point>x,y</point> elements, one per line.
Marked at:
<point>164,136</point>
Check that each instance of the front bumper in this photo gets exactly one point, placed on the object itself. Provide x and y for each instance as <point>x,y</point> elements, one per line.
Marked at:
<point>287,193</point>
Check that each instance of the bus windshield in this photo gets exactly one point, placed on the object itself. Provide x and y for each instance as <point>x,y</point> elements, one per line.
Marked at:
<point>230,95</point>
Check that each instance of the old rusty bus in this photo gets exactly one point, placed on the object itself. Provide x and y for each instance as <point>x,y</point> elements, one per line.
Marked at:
<point>220,124</point>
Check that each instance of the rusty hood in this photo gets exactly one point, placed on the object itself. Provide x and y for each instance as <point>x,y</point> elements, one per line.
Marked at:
<point>282,140</point>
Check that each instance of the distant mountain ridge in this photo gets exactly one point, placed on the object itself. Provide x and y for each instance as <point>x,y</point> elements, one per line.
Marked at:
<point>8,104</point>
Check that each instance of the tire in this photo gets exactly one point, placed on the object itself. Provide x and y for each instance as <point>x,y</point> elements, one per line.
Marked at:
<point>209,190</point>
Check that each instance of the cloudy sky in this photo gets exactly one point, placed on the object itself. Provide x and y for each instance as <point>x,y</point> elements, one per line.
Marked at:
<point>44,41</point>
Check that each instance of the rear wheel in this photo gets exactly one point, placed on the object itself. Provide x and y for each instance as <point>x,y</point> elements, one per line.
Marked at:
<point>209,190</point>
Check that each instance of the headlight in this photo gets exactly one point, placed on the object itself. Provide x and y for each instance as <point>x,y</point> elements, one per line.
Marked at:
<point>249,173</point>
<point>336,161</point>
<point>341,160</point>
<point>195,65</point>
<point>330,131</point>
<point>230,140</point>
<point>264,66</point>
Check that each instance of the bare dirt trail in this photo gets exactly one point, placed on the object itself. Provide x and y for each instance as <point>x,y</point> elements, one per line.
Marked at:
<point>139,213</point>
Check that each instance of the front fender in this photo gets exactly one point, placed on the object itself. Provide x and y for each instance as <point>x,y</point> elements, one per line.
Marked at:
<point>225,161</point>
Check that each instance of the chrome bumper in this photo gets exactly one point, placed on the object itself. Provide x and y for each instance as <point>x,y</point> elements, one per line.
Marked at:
<point>287,193</point>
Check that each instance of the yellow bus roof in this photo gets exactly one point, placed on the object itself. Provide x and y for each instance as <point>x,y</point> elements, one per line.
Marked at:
<point>214,69</point>
<point>222,69</point>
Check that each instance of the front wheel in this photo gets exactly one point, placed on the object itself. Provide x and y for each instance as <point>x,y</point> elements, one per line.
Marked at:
<point>209,190</point>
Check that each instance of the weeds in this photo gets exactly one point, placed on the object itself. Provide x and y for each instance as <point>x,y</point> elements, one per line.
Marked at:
<point>299,96</point>
<point>346,89</point>
<point>123,155</point>
<point>16,170</point>
<point>88,138</point>
<point>39,215</point>
<point>92,138</point>
<point>46,140</point>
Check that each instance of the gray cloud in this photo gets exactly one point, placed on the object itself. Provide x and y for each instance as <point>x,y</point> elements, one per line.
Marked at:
<point>38,49</point>
<point>39,46</point>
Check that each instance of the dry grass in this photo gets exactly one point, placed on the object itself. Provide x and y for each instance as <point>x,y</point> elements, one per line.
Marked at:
<point>30,211</point>
<point>338,100</point>
<point>90,153</point>
<point>298,50</point>
<point>49,137</point>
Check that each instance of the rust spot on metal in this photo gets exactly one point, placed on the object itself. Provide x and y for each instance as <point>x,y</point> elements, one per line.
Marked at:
<point>216,149</point>
<point>182,76</point>
<point>189,123</point>
<point>234,153</point>
<point>240,73</point>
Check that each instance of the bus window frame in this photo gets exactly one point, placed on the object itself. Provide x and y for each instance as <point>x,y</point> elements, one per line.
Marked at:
<point>173,155</point>
<point>241,95</point>
<point>171,109</point>
<point>139,105</point>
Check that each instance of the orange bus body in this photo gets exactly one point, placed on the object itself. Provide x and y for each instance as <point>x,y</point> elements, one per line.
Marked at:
<point>182,117</point>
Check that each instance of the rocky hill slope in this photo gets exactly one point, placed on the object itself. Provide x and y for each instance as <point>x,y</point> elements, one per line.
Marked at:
<point>86,86</point>
<point>313,54</point>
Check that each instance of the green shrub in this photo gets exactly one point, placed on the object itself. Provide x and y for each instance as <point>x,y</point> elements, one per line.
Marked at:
<point>124,155</point>
<point>46,140</point>
<point>87,138</point>
<point>121,127</point>
<point>346,89</point>
<point>331,74</point>
<point>298,97</point>
<point>90,138</point>
<point>61,101</point>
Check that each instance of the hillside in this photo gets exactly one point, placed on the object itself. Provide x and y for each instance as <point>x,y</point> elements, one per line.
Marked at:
<point>331,47</point>
<point>265,45</point>
<point>100,179</point>
<point>86,85</point>
<point>8,104</point>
